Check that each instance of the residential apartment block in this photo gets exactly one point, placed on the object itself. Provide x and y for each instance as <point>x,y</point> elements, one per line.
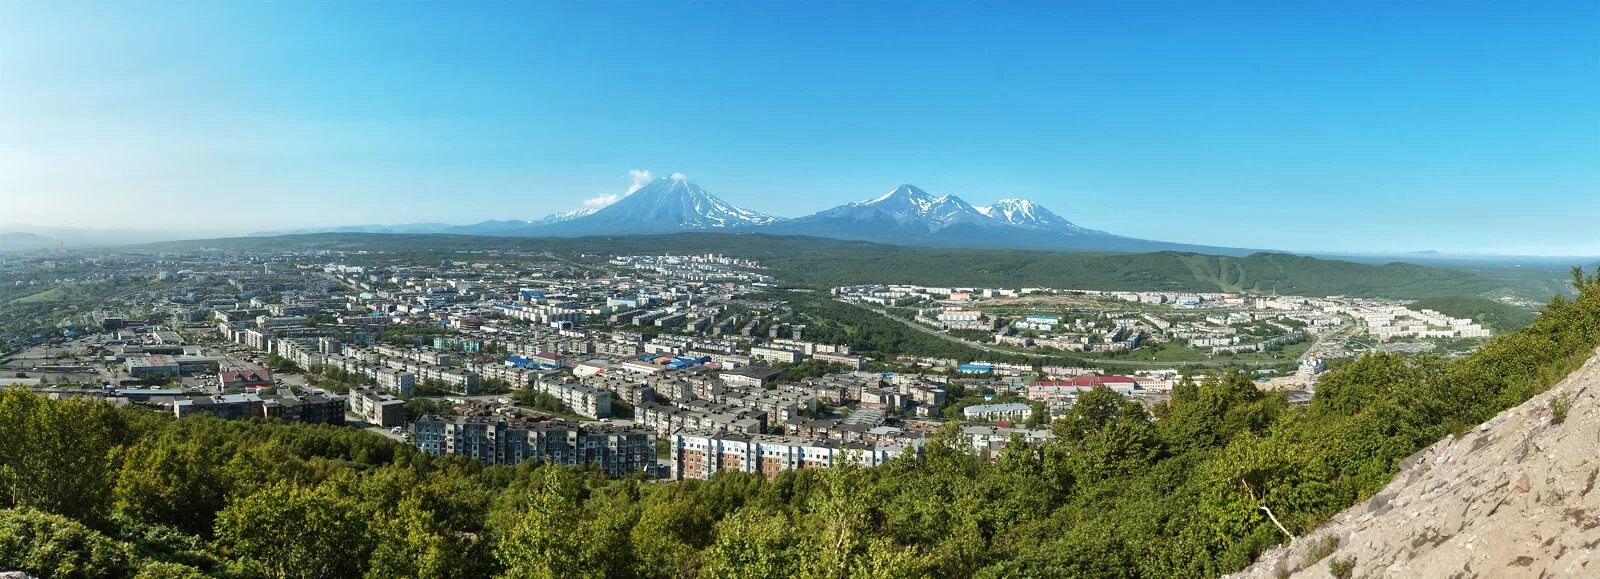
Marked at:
<point>699,454</point>
<point>494,440</point>
<point>377,407</point>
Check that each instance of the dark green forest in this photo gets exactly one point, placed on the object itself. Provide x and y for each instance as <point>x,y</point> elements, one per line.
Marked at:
<point>822,263</point>
<point>90,490</point>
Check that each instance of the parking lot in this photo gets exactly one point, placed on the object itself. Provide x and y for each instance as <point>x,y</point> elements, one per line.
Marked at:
<point>84,360</point>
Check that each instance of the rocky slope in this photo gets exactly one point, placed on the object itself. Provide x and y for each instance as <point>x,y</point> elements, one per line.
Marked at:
<point>1515,497</point>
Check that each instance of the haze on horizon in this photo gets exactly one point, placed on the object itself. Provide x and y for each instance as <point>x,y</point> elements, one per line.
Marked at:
<point>1457,127</point>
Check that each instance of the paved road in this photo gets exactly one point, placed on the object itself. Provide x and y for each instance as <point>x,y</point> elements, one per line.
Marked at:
<point>384,432</point>
<point>1342,331</point>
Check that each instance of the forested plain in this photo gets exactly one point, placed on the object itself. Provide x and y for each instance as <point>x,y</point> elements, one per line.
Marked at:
<point>91,490</point>
<point>822,263</point>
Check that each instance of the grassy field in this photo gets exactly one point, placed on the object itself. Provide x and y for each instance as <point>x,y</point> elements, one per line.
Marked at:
<point>50,295</point>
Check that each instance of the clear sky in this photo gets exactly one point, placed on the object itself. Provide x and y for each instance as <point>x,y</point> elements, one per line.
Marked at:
<point>1457,126</point>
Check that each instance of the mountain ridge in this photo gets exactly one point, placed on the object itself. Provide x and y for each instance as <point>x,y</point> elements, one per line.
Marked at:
<point>906,215</point>
<point>24,241</point>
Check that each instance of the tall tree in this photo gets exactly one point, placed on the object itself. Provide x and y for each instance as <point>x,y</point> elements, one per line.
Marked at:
<point>546,540</point>
<point>57,455</point>
<point>172,482</point>
<point>290,531</point>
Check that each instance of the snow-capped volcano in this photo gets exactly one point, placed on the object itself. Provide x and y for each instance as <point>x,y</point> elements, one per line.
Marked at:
<point>1030,215</point>
<point>662,205</point>
<point>902,199</point>
<point>905,207</point>
<point>908,215</point>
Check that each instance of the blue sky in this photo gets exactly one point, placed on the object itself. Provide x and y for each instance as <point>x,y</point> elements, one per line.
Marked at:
<point>1349,126</point>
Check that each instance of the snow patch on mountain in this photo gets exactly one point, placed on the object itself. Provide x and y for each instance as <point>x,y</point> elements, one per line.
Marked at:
<point>1030,215</point>
<point>561,216</point>
<point>666,204</point>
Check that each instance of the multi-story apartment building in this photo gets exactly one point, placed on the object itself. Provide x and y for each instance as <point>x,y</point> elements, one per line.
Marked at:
<point>750,376</point>
<point>631,391</point>
<point>1015,411</point>
<point>582,400</point>
<point>377,407</point>
<point>315,409</point>
<point>780,408</point>
<point>665,419</point>
<point>699,454</point>
<point>849,361</point>
<point>515,376</point>
<point>423,355</point>
<point>494,440</point>
<point>774,355</point>
<point>224,406</point>
<point>397,381</point>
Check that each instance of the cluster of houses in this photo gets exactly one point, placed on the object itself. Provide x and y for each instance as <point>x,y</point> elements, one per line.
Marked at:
<point>1391,322</point>
<point>1218,323</point>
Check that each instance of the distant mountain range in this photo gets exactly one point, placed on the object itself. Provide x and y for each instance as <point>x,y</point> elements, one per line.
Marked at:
<point>23,241</point>
<point>910,216</point>
<point>904,216</point>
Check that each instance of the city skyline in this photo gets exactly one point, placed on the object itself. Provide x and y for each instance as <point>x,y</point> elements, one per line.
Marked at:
<point>1322,128</point>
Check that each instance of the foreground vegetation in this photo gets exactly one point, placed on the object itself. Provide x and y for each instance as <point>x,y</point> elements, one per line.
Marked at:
<point>90,490</point>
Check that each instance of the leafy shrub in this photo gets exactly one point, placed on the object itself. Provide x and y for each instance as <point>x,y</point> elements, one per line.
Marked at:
<point>55,546</point>
<point>1558,407</point>
<point>1319,549</point>
<point>1343,567</point>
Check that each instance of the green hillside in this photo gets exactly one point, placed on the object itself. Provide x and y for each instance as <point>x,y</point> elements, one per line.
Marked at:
<point>826,263</point>
<point>1497,316</point>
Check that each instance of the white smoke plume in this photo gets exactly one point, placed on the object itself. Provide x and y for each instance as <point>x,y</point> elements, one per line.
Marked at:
<point>639,177</point>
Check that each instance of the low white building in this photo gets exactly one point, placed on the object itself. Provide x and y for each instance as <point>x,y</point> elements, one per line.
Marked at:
<point>1014,411</point>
